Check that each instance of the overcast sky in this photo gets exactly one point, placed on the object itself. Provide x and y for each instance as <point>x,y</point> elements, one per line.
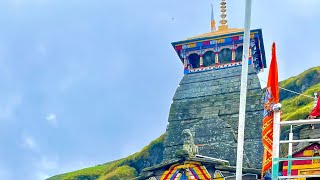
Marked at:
<point>84,82</point>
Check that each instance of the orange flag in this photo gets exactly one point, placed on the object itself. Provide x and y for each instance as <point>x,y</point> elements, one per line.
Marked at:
<point>271,98</point>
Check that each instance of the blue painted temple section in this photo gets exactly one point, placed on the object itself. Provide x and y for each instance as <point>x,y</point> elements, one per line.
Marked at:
<point>220,50</point>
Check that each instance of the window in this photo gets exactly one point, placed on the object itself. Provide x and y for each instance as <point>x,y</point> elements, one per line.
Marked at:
<point>239,52</point>
<point>225,56</point>
<point>208,58</point>
<point>194,60</point>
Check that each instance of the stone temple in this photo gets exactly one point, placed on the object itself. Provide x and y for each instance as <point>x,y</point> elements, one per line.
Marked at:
<point>207,101</point>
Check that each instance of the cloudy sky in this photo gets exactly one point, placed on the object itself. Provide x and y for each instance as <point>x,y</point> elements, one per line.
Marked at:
<point>84,82</point>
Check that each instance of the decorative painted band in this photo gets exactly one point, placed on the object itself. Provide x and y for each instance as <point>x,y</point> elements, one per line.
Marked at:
<point>213,42</point>
<point>216,67</point>
<point>186,48</point>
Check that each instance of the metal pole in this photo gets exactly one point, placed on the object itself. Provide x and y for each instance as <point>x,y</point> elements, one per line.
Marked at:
<point>276,141</point>
<point>243,90</point>
<point>290,152</point>
<point>300,122</point>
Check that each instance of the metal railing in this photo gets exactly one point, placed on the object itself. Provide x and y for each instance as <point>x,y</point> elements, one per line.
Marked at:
<point>276,146</point>
<point>299,176</point>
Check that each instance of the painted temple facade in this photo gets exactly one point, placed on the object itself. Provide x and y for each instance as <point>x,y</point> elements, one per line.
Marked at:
<point>220,49</point>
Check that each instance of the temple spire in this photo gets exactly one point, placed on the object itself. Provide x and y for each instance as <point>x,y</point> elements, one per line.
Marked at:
<point>223,21</point>
<point>213,22</point>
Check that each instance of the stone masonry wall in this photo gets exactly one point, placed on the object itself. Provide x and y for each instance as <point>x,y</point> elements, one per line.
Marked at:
<point>207,103</point>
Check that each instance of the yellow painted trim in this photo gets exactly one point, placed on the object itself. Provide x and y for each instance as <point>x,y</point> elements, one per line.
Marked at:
<point>187,164</point>
<point>299,172</point>
<point>191,45</point>
<point>217,33</point>
<point>299,167</point>
<point>308,152</point>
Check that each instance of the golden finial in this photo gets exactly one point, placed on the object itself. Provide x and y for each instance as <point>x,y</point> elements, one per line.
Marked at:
<point>223,16</point>
<point>213,22</point>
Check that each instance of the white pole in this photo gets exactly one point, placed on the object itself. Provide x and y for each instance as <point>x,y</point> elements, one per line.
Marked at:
<point>243,90</point>
<point>276,140</point>
<point>290,152</point>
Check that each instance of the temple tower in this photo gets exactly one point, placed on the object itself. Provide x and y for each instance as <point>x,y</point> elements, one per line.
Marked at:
<point>207,99</point>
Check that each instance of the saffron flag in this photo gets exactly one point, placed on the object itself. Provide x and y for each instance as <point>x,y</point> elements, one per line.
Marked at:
<point>271,98</point>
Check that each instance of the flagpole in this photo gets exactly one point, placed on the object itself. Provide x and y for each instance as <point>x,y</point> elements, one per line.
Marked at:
<point>243,90</point>
<point>276,140</point>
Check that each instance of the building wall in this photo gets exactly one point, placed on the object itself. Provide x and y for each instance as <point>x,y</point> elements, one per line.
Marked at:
<point>207,103</point>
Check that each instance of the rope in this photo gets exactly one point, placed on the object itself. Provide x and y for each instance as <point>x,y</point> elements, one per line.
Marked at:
<point>292,91</point>
<point>296,92</point>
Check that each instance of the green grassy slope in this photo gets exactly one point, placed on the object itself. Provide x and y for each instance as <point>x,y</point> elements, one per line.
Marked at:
<point>126,168</point>
<point>298,107</point>
<point>293,107</point>
<point>300,83</point>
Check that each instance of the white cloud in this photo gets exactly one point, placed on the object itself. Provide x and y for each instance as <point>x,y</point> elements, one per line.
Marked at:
<point>52,119</point>
<point>28,142</point>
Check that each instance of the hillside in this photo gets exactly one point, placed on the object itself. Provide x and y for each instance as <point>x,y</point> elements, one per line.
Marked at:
<point>294,107</point>
<point>300,83</point>
<point>307,83</point>
<point>126,168</point>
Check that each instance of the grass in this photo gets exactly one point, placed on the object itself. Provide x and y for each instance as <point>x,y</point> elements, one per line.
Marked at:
<point>299,107</point>
<point>125,168</point>
<point>91,172</point>
<point>123,172</point>
<point>298,80</point>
